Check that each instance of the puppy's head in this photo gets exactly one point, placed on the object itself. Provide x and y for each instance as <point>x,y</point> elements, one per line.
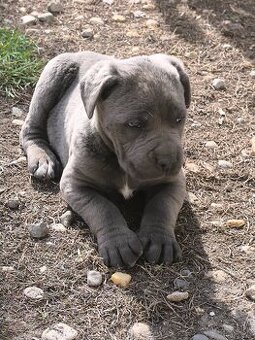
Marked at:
<point>141,110</point>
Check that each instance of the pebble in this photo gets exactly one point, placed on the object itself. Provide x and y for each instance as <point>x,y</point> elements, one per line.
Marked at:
<point>108,2</point>
<point>118,18</point>
<point>196,125</point>
<point>218,84</point>
<point>235,224</point>
<point>151,23</point>
<point>16,112</point>
<point>121,279</point>
<point>252,141</point>
<point>33,292</point>
<point>43,269</point>
<point>211,144</point>
<point>185,272</point>
<point>180,284</point>
<point>177,296</point>
<point>212,314</point>
<point>28,20</point>
<point>192,198</point>
<point>240,120</point>
<point>23,10</point>
<point>94,278</point>
<point>199,337</point>
<point>59,331</point>
<point>227,46</point>
<point>58,227</point>
<point>249,250</point>
<point>218,276</point>
<point>66,218</point>
<point>214,335</point>
<point>139,14</point>
<point>149,7</point>
<point>252,73</point>
<point>193,167</point>
<point>133,34</point>
<point>96,21</point>
<point>8,269</point>
<point>38,230</point>
<point>87,33</point>
<point>55,7</point>
<point>228,328</point>
<point>13,203</point>
<point>224,164</point>
<point>46,17</point>
<point>140,331</point>
<point>250,293</point>
<point>18,122</point>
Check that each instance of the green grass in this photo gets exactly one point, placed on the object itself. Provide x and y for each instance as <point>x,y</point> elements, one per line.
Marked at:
<point>20,64</point>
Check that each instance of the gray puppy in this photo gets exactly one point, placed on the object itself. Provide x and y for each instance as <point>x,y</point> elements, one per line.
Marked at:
<point>114,126</point>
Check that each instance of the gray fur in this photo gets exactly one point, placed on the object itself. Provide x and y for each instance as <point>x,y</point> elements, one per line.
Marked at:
<point>114,126</point>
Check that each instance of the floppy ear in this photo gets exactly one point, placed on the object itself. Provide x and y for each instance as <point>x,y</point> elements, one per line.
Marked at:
<point>97,84</point>
<point>184,79</point>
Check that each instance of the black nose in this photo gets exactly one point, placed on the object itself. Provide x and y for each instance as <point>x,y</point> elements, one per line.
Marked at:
<point>164,163</point>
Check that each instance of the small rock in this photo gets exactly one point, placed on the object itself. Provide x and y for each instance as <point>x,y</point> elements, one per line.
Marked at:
<point>192,197</point>
<point>212,314</point>
<point>48,31</point>
<point>139,14</point>
<point>217,223</point>
<point>96,21</point>
<point>33,292</point>
<point>133,34</point>
<point>94,278</point>
<point>66,218</point>
<point>121,279</point>
<point>250,293</point>
<point>185,273</point>
<point>211,144</point>
<point>108,2</point>
<point>228,328</point>
<point>8,269</point>
<point>180,284</point>
<point>59,331</point>
<point>214,335</point>
<point>87,33</point>
<point>55,7</point>
<point>151,23</point>
<point>46,17</point>
<point>235,224</point>
<point>217,206</point>
<point>252,73</point>
<point>149,7</point>
<point>196,125</point>
<point>58,227</point>
<point>217,276</point>
<point>38,230</point>
<point>18,122</point>
<point>79,17</point>
<point>219,84</point>
<point>253,145</point>
<point>141,331</point>
<point>43,269</point>
<point>13,204</point>
<point>249,250</point>
<point>224,164</point>
<point>118,18</point>
<point>177,296</point>
<point>28,20</point>
<point>199,337</point>
<point>193,167</point>
<point>16,112</point>
<point>226,46</point>
<point>240,120</point>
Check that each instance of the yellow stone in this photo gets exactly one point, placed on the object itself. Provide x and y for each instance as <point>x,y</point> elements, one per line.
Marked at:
<point>118,18</point>
<point>121,279</point>
<point>177,296</point>
<point>235,223</point>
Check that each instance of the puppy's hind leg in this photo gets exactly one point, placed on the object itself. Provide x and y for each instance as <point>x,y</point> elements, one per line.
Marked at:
<point>57,76</point>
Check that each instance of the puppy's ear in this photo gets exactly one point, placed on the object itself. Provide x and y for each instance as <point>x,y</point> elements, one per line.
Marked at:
<point>97,84</point>
<point>178,64</point>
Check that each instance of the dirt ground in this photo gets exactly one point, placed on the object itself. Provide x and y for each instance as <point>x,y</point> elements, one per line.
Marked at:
<point>215,39</point>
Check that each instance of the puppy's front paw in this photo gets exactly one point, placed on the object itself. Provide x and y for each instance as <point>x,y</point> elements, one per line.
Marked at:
<point>43,164</point>
<point>120,249</point>
<point>159,246</point>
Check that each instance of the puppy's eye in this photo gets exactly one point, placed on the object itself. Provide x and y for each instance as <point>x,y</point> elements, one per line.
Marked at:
<point>135,123</point>
<point>179,120</point>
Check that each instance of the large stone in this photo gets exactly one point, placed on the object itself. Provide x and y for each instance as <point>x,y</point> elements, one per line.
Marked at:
<point>33,293</point>
<point>59,331</point>
<point>46,17</point>
<point>38,230</point>
<point>28,20</point>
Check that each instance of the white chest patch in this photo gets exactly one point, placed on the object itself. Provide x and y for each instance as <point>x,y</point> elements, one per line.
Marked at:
<point>126,191</point>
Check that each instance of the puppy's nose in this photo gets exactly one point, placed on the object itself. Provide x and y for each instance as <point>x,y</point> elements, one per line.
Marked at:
<point>164,162</point>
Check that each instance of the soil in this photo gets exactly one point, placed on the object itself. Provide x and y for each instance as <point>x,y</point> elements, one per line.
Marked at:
<point>215,39</point>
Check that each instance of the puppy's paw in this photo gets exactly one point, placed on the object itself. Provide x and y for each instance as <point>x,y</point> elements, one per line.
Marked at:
<point>120,249</point>
<point>159,246</point>
<point>43,164</point>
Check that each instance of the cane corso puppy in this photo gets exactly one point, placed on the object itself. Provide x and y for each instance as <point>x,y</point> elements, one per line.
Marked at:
<point>113,126</point>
